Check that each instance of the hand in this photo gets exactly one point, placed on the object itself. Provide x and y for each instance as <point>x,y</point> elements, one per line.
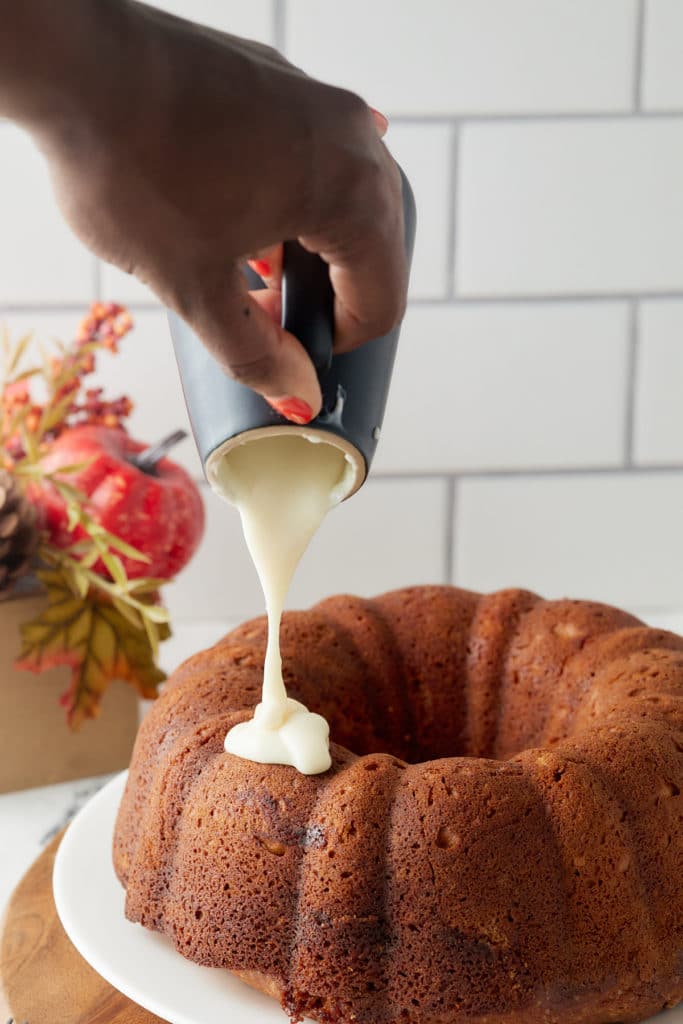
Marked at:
<point>197,150</point>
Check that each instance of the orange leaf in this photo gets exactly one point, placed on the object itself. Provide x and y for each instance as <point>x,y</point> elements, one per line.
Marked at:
<point>94,640</point>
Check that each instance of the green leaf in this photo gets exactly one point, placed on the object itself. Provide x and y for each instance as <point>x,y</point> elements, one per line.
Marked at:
<point>29,442</point>
<point>145,585</point>
<point>126,549</point>
<point>81,583</point>
<point>26,375</point>
<point>156,613</point>
<point>152,635</point>
<point>96,639</point>
<point>74,467</point>
<point>78,548</point>
<point>73,517</point>
<point>28,469</point>
<point>54,414</point>
<point>78,632</point>
<point>18,353</point>
<point>67,491</point>
<point>90,558</point>
<point>14,425</point>
<point>128,612</point>
<point>115,568</point>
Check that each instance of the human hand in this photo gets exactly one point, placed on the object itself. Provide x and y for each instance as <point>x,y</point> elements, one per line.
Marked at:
<point>199,150</point>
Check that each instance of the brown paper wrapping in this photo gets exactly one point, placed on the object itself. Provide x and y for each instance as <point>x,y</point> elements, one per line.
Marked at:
<point>37,747</point>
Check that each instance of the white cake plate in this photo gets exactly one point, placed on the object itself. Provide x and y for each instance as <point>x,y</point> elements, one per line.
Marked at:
<point>143,965</point>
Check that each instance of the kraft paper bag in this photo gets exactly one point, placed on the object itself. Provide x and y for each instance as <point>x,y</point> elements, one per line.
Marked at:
<point>37,747</point>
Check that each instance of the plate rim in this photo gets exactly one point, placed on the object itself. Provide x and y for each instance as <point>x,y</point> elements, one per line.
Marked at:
<point>104,805</point>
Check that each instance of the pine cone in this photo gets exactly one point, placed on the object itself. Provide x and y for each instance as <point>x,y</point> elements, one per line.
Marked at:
<point>18,532</point>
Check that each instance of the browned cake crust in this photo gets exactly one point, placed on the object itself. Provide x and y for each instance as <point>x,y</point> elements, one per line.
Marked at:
<point>515,854</point>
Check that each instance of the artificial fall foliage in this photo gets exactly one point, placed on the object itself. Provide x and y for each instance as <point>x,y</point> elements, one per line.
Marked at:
<point>95,639</point>
<point>101,624</point>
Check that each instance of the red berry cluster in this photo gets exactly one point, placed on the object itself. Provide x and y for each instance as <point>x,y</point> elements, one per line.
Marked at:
<point>105,325</point>
<point>68,404</point>
<point>95,410</point>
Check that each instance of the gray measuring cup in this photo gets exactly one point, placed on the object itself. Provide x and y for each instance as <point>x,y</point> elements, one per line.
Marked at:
<point>354,385</point>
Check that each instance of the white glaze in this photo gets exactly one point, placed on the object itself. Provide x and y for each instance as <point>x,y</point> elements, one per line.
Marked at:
<point>283,486</point>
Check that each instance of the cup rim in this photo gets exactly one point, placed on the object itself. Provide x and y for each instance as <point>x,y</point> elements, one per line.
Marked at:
<point>354,456</point>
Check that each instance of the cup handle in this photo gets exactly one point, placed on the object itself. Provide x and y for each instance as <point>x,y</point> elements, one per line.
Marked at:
<point>308,303</point>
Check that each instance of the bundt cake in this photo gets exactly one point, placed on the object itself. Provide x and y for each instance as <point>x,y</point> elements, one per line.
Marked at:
<point>499,838</point>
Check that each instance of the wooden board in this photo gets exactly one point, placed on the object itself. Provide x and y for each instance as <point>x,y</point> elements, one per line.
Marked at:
<point>43,980</point>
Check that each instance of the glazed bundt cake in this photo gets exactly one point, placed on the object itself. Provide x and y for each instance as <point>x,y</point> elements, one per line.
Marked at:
<point>515,853</point>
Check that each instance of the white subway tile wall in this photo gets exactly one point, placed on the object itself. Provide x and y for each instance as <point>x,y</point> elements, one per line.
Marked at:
<point>587,207</point>
<point>220,582</point>
<point>393,533</point>
<point>658,435</point>
<point>534,433</point>
<point>254,19</point>
<point>612,538</point>
<point>118,286</point>
<point>508,386</point>
<point>426,154</point>
<point>470,56</point>
<point>663,68</point>
<point>40,260</point>
<point>364,547</point>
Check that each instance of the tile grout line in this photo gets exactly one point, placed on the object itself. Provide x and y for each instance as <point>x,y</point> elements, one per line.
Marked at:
<point>56,308</point>
<point>541,472</point>
<point>472,117</point>
<point>455,478</point>
<point>455,302</point>
<point>545,299</point>
<point>451,501</point>
<point>452,211</point>
<point>462,117</point>
<point>639,57</point>
<point>279,19</point>
<point>631,382</point>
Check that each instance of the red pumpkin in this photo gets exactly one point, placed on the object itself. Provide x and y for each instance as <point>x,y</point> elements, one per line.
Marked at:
<point>159,511</point>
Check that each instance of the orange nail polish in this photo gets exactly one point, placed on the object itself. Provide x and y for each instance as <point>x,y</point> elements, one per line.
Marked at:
<point>381,122</point>
<point>262,267</point>
<point>294,409</point>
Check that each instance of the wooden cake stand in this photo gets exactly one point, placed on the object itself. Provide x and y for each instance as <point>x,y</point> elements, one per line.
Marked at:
<point>43,980</point>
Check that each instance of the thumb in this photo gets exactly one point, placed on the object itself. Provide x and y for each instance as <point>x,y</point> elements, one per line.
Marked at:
<point>242,331</point>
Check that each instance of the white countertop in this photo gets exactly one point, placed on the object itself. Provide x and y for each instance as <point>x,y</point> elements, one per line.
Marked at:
<point>30,819</point>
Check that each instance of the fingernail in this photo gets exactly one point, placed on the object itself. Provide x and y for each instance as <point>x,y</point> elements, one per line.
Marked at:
<point>294,409</point>
<point>381,122</point>
<point>262,267</point>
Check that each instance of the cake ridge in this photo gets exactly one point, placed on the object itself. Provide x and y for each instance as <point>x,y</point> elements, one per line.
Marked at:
<point>486,739</point>
<point>430,625</point>
<point>337,621</point>
<point>659,895</point>
<point>547,636</point>
<point>582,849</point>
<point>601,653</point>
<point>626,822</point>
<point>458,870</point>
<point>368,917</point>
<point>159,821</point>
<point>401,696</point>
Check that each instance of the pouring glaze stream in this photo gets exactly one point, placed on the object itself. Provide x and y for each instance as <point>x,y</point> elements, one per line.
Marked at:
<point>284,478</point>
